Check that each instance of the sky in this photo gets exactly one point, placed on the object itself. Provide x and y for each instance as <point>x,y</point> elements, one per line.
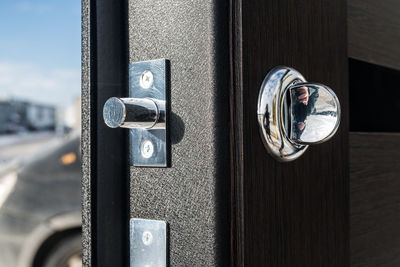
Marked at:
<point>40,50</point>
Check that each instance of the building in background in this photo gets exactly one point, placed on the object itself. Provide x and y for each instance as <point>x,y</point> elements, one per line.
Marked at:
<point>6,113</point>
<point>18,116</point>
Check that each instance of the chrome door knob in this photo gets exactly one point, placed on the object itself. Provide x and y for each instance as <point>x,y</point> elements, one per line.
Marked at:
<point>293,113</point>
<point>145,113</point>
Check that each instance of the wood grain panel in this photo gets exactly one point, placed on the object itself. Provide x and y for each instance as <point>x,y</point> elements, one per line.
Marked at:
<point>375,199</point>
<point>288,214</point>
<point>374,31</point>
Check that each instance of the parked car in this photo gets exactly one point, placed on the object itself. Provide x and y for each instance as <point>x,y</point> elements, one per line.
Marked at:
<point>40,219</point>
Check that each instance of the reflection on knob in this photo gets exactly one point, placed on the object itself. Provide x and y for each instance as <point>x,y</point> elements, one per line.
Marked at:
<point>145,113</point>
<point>314,113</point>
<point>293,113</point>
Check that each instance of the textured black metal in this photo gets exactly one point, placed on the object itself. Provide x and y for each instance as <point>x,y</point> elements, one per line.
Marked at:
<point>87,39</point>
<point>111,158</point>
<point>105,155</point>
<point>192,195</point>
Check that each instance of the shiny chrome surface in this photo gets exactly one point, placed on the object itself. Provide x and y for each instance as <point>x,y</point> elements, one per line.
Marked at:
<point>148,243</point>
<point>145,113</point>
<point>151,79</point>
<point>293,114</point>
<point>132,113</point>
<point>314,113</point>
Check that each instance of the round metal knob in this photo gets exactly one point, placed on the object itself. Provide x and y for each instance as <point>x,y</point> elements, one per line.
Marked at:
<point>293,113</point>
<point>142,113</point>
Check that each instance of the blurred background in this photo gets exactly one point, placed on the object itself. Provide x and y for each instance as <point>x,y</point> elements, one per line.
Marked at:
<point>40,171</point>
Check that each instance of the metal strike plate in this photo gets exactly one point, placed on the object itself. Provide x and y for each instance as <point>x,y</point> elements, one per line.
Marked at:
<point>150,79</point>
<point>148,243</point>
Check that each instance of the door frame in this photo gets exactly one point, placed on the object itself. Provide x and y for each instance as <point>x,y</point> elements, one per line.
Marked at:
<point>104,74</point>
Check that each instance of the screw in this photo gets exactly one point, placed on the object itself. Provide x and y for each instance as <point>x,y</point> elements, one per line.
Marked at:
<point>147,238</point>
<point>146,80</point>
<point>147,149</point>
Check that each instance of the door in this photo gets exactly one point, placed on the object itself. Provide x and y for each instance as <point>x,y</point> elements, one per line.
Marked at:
<point>374,138</point>
<point>293,213</point>
<point>226,201</point>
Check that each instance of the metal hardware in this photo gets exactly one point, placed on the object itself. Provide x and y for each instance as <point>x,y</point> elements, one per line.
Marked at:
<point>145,113</point>
<point>132,113</point>
<point>147,149</point>
<point>293,114</point>
<point>148,243</point>
<point>146,80</point>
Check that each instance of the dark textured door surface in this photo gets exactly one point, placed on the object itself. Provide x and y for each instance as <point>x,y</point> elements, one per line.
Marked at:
<point>374,72</point>
<point>226,201</point>
<point>296,213</point>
